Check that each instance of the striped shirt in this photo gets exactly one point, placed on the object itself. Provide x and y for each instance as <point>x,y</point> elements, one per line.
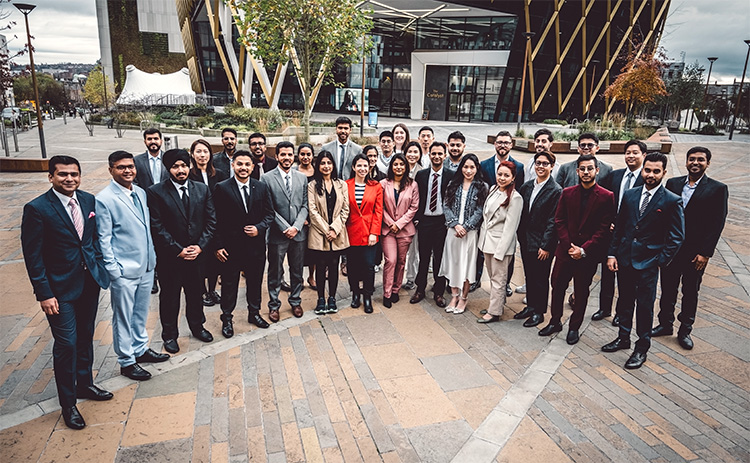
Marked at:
<point>359,192</point>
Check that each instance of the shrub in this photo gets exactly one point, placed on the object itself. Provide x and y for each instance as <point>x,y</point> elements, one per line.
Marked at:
<point>709,129</point>
<point>555,121</point>
<point>520,133</point>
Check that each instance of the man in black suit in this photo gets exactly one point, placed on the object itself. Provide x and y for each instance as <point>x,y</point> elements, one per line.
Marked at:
<point>262,163</point>
<point>649,231</point>
<point>223,159</point>
<point>705,202</point>
<point>430,222</point>
<point>183,222</point>
<point>244,212</point>
<point>66,269</point>
<point>618,182</point>
<point>537,236</point>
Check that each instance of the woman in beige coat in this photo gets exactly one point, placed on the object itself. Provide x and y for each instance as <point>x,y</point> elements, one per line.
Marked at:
<point>328,200</point>
<point>497,237</point>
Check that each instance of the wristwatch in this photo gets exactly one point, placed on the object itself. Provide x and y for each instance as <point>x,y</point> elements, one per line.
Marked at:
<point>583,253</point>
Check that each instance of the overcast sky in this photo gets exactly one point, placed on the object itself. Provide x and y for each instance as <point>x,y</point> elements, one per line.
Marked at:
<point>66,31</point>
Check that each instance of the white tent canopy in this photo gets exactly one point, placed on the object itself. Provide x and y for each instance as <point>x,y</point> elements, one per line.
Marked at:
<point>166,89</point>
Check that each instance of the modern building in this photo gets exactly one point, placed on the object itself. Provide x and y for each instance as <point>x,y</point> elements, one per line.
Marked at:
<point>461,60</point>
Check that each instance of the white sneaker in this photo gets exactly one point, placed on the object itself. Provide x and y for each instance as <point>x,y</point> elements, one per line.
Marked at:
<point>521,290</point>
<point>450,309</point>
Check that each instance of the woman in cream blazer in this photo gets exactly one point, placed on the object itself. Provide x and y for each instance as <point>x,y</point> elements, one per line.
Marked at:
<point>497,237</point>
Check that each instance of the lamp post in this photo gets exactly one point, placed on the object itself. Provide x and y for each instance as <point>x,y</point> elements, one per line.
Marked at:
<point>739,94</point>
<point>705,94</point>
<point>591,91</point>
<point>26,8</point>
<point>528,36</point>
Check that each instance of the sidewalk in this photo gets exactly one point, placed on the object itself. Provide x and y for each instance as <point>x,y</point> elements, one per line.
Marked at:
<point>410,383</point>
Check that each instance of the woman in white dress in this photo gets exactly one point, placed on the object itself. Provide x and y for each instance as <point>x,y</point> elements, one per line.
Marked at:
<point>465,196</point>
<point>497,237</point>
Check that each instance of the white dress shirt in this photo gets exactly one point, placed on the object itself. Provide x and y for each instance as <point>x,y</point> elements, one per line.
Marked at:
<point>439,208</point>
<point>65,200</point>
<point>636,173</point>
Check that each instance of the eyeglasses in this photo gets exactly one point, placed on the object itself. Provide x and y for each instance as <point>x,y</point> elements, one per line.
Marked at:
<point>541,163</point>
<point>258,143</point>
<point>125,167</point>
<point>386,142</point>
<point>587,169</point>
<point>586,146</point>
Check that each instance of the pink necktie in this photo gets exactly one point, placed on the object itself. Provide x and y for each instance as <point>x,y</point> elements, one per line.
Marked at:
<point>75,213</point>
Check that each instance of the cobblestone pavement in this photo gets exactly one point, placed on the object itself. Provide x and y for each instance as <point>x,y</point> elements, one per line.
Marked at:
<point>410,383</point>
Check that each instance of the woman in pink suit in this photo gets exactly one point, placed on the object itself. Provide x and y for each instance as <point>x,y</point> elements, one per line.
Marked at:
<point>400,204</point>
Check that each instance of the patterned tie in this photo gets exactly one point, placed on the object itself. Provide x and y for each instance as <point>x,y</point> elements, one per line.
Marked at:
<point>246,195</point>
<point>434,193</point>
<point>288,187</point>
<point>646,197</point>
<point>185,200</point>
<point>75,214</point>
<point>138,205</point>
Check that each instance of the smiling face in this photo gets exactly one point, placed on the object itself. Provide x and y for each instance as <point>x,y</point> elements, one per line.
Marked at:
<point>398,168</point>
<point>325,167</point>
<point>634,157</point>
<point>652,173</point>
<point>123,172</point>
<point>503,145</point>
<point>469,170</point>
<point>285,156</point>
<point>399,136</point>
<point>229,140</point>
<point>386,146</point>
<point>201,155</point>
<point>456,148</point>
<point>342,132</point>
<point>588,146</point>
<point>437,156</point>
<point>305,156</point>
<point>361,168</point>
<point>179,171</point>
<point>372,156</point>
<point>504,177</point>
<point>587,171</point>
<point>258,147</point>
<point>542,143</point>
<point>697,163</point>
<point>67,178</point>
<point>413,155</point>
<point>543,168</point>
<point>242,166</point>
<point>153,143</point>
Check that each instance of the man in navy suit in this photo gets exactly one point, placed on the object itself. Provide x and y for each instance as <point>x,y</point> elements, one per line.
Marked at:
<point>649,231</point>
<point>705,202</point>
<point>65,266</point>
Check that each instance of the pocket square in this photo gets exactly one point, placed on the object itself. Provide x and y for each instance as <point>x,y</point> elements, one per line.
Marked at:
<point>658,210</point>
<point>92,214</point>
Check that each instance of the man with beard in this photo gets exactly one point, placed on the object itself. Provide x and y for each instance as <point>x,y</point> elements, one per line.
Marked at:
<point>456,146</point>
<point>182,225</point>
<point>588,143</point>
<point>262,163</point>
<point>343,149</point>
<point>543,140</point>
<point>223,159</point>
<point>649,231</point>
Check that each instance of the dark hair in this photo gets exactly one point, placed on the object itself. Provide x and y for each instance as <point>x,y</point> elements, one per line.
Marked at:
<point>152,131</point>
<point>544,131</point>
<point>317,176</point>
<point>504,133</point>
<point>656,156</point>
<point>256,135</point>
<point>640,144</point>
<point>210,170</point>
<point>587,157</point>
<point>305,145</point>
<point>512,186</point>
<point>284,144</point>
<point>62,160</point>
<point>368,148</point>
<point>589,135</point>
<point>440,144</point>
<point>416,145</point>
<point>428,128</point>
<point>244,153</point>
<point>699,149</point>
<point>228,129</point>
<point>548,154</point>
<point>405,180</point>
<point>457,136</point>
<point>112,159</point>
<point>385,133</point>
<point>458,179</point>
<point>343,120</point>
<point>368,178</point>
<point>407,139</point>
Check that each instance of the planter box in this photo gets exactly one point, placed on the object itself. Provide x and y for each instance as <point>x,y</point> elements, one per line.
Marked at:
<point>23,165</point>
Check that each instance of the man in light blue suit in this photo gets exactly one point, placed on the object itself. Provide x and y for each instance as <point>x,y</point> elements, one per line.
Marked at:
<point>122,220</point>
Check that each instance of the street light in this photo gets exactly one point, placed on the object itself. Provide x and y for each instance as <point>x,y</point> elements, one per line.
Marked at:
<point>739,94</point>
<point>591,91</point>
<point>528,36</point>
<point>705,94</point>
<point>26,8</point>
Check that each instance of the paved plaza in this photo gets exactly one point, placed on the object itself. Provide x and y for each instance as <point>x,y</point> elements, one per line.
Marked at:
<point>411,383</point>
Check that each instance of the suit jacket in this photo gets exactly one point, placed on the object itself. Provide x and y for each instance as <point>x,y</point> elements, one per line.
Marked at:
<point>705,214</point>
<point>537,228</point>
<point>402,214</point>
<point>588,229</point>
<point>568,174</point>
<point>423,181</point>
<point>653,238</point>
<point>268,163</point>
<point>613,181</point>
<point>143,177</point>
<point>231,217</point>
<point>489,172</point>
<point>124,233</point>
<point>352,149</point>
<point>172,227</point>
<point>56,259</point>
<point>364,219</point>
<point>222,164</point>
<point>212,181</point>
<point>289,210</point>
<point>319,223</point>
<point>498,233</point>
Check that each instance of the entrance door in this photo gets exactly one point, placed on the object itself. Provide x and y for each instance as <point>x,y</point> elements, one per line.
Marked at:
<point>460,107</point>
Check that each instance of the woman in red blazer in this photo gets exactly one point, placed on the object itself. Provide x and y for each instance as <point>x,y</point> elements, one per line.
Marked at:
<point>363,228</point>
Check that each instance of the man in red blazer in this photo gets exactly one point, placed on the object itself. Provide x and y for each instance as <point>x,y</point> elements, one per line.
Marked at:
<point>582,221</point>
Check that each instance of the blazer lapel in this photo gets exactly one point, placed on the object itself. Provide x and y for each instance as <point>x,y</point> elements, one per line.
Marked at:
<point>235,189</point>
<point>700,190</point>
<point>58,207</point>
<point>653,203</point>
<point>280,179</point>
<point>129,202</point>
<point>175,196</point>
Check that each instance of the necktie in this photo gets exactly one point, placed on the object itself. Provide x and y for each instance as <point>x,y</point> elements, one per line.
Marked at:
<point>246,195</point>
<point>155,169</point>
<point>288,188</point>
<point>75,214</point>
<point>138,205</point>
<point>185,200</point>
<point>646,197</point>
<point>434,193</point>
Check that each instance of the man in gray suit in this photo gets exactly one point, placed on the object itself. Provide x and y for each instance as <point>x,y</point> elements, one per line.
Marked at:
<point>342,148</point>
<point>287,235</point>
<point>122,221</point>
<point>588,143</point>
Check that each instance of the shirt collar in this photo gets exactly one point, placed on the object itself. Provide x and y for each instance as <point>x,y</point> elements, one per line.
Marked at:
<point>652,192</point>
<point>240,184</point>
<point>687,181</point>
<point>122,188</point>
<point>539,185</point>
<point>177,185</point>
<point>65,199</point>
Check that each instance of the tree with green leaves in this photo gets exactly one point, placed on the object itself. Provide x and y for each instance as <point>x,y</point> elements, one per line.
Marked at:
<point>94,91</point>
<point>314,34</point>
<point>51,92</point>
<point>6,58</point>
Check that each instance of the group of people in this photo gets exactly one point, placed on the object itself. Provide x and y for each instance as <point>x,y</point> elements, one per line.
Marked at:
<point>186,218</point>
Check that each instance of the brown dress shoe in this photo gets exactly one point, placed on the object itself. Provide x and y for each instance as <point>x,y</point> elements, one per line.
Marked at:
<point>418,296</point>
<point>297,311</point>
<point>440,301</point>
<point>273,315</point>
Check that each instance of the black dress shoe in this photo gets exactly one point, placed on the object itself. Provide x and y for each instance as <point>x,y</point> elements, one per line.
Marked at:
<point>394,298</point>
<point>600,315</point>
<point>93,393</point>
<point>135,372</point>
<point>215,297</point>
<point>320,309</point>
<point>492,319</point>
<point>203,335</point>
<point>356,301</point>
<point>208,301</point>
<point>550,329</point>
<point>368,303</point>
<point>417,297</point>
<point>616,320</point>
<point>227,328</point>
<point>73,418</point>
<point>525,313</point>
<point>533,320</point>
<point>686,342</point>
<point>331,306</point>
<point>636,360</point>
<point>387,302</point>
<point>661,330</point>
<point>152,357</point>
<point>617,344</point>
<point>475,286</point>
<point>572,300</point>
<point>572,337</point>
<point>286,287</point>
<point>171,346</point>
<point>155,288</point>
<point>257,320</point>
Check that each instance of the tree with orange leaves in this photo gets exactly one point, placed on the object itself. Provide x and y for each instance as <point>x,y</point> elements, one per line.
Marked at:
<point>639,83</point>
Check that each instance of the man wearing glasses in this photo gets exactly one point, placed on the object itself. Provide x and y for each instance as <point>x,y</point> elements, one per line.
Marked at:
<point>386,150</point>
<point>263,163</point>
<point>223,159</point>
<point>588,143</point>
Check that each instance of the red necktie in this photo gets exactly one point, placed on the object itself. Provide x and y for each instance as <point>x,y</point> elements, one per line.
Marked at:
<point>434,193</point>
